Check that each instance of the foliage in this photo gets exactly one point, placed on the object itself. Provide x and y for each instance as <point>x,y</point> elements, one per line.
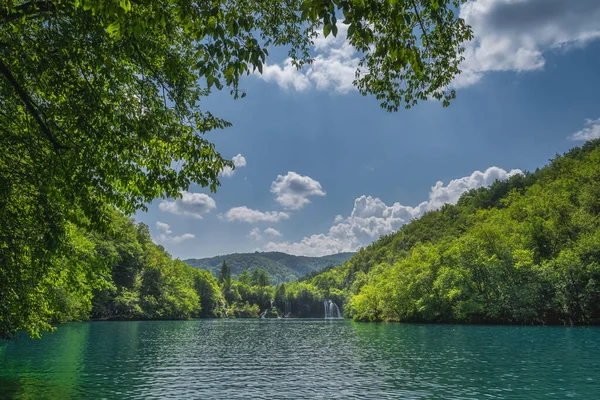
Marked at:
<point>523,251</point>
<point>100,109</point>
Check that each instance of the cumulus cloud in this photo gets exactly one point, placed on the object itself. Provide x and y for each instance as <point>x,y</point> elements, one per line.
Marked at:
<point>163,228</point>
<point>334,66</point>
<point>372,218</point>
<point>255,234</point>
<point>164,235</point>
<point>239,161</point>
<point>292,190</point>
<point>286,76</point>
<point>190,204</point>
<point>272,232</point>
<point>315,245</point>
<point>245,214</point>
<point>591,130</point>
<point>513,35</point>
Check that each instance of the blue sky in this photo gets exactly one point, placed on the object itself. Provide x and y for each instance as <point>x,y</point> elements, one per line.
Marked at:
<point>322,169</point>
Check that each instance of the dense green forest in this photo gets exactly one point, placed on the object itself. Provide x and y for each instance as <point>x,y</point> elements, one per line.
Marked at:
<point>524,251</point>
<point>281,267</point>
<point>119,273</point>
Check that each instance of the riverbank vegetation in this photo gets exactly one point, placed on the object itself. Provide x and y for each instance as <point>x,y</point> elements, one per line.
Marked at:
<point>120,274</point>
<point>523,251</point>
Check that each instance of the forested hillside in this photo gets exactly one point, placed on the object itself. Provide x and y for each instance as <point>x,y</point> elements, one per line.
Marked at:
<point>281,267</point>
<point>524,251</point>
<point>118,273</point>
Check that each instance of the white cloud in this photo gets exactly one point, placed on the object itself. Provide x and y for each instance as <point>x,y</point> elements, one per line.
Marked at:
<point>272,232</point>
<point>245,214</point>
<point>315,245</point>
<point>165,236</point>
<point>334,66</point>
<point>239,161</point>
<point>372,218</point>
<point>190,204</point>
<point>163,228</point>
<point>513,35</point>
<point>292,190</point>
<point>591,130</point>
<point>286,76</point>
<point>255,234</point>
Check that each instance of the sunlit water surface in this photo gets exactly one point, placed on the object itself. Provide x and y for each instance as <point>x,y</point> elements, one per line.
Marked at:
<point>316,359</point>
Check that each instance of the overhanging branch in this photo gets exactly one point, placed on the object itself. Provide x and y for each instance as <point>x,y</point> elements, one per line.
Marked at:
<point>30,106</point>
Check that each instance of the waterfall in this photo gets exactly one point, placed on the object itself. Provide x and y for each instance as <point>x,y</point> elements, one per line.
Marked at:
<point>332,311</point>
<point>287,309</point>
<point>262,315</point>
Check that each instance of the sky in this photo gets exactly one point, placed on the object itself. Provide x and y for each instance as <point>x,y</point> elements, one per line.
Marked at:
<point>321,169</point>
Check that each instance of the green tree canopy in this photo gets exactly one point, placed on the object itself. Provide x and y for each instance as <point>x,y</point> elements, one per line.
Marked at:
<point>100,104</point>
<point>260,277</point>
<point>225,275</point>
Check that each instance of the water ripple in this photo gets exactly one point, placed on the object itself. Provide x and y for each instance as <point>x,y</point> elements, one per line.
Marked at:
<point>308,359</point>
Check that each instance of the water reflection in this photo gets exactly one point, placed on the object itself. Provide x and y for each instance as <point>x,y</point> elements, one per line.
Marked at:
<point>52,367</point>
<point>241,359</point>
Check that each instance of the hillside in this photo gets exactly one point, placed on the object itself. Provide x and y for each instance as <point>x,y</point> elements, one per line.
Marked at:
<point>281,267</point>
<point>524,251</point>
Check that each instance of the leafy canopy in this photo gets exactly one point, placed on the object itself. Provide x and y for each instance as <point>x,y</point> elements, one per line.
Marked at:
<point>101,106</point>
<point>111,89</point>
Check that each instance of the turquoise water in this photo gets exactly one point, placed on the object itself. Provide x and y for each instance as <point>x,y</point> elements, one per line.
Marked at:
<point>316,359</point>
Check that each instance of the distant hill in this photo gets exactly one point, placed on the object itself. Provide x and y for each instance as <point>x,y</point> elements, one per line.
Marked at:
<point>281,267</point>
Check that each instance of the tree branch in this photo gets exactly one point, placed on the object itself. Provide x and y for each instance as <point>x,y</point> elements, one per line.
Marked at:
<point>420,22</point>
<point>30,106</point>
<point>27,9</point>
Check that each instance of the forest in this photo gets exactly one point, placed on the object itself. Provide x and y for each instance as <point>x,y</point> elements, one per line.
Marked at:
<point>523,251</point>
<point>120,274</point>
<point>281,267</point>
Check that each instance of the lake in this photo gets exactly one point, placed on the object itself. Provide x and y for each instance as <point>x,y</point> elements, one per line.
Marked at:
<point>295,358</point>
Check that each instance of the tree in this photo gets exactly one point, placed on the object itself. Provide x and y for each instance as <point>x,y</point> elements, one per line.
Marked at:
<point>225,275</point>
<point>244,277</point>
<point>101,104</point>
<point>260,277</point>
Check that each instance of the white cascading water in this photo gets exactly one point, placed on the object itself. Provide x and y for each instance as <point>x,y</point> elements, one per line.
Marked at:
<point>287,309</point>
<point>332,311</point>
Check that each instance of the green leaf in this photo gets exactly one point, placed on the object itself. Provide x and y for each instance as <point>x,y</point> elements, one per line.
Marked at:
<point>114,29</point>
<point>351,29</point>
